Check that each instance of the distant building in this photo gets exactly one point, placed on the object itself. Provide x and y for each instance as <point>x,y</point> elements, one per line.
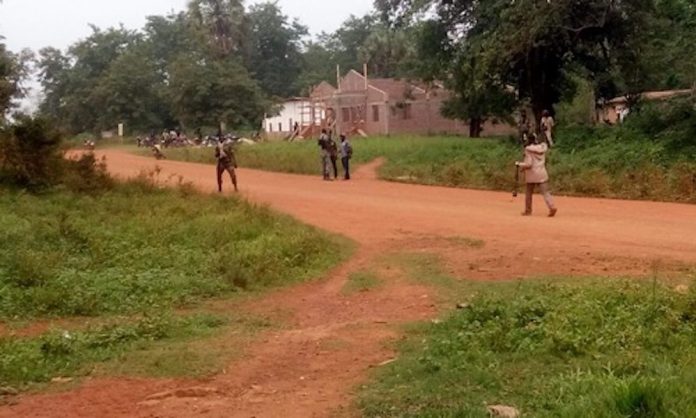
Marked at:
<point>292,111</point>
<point>615,110</point>
<point>382,106</point>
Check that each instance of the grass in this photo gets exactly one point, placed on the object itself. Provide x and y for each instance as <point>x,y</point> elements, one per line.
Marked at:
<point>138,248</point>
<point>70,354</point>
<point>561,347</point>
<point>199,354</point>
<point>125,259</point>
<point>361,281</point>
<point>600,162</point>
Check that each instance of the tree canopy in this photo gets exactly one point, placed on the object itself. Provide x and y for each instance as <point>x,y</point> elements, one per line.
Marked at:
<point>218,61</point>
<point>538,46</point>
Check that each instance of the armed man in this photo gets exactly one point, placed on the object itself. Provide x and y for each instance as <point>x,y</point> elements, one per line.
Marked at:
<point>226,161</point>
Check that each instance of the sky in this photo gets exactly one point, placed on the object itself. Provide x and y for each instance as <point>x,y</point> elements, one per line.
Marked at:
<point>59,23</point>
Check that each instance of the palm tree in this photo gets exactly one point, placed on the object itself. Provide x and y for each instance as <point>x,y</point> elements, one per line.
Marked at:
<point>223,20</point>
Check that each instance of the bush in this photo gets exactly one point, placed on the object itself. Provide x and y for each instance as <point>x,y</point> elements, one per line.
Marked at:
<point>29,154</point>
<point>31,158</point>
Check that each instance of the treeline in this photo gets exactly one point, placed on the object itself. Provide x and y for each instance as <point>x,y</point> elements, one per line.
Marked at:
<point>218,61</point>
<point>499,54</point>
<point>215,62</point>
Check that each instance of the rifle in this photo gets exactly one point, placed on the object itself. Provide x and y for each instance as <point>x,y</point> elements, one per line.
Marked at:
<point>516,191</point>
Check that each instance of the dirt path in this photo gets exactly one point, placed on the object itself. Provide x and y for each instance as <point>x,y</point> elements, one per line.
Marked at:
<point>332,340</point>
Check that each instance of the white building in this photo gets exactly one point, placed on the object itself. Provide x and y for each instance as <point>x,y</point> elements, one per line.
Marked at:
<point>291,113</point>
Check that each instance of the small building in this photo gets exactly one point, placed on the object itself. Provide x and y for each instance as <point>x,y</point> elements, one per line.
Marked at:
<point>385,106</point>
<point>615,110</point>
<point>292,113</point>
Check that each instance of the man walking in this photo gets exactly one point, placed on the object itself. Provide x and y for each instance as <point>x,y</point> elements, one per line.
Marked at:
<point>346,155</point>
<point>226,161</point>
<point>534,165</point>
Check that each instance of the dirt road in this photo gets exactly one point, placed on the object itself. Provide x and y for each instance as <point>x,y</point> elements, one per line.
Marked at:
<point>332,340</point>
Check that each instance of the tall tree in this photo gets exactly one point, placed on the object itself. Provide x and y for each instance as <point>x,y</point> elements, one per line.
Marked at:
<point>387,51</point>
<point>205,92</point>
<point>275,53</point>
<point>533,44</point>
<point>71,82</point>
<point>225,22</point>
<point>13,69</point>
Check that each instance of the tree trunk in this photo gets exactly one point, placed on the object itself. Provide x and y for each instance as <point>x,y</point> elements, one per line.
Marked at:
<point>475,127</point>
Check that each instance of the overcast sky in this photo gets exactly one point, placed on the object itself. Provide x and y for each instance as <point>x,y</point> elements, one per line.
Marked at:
<point>38,23</point>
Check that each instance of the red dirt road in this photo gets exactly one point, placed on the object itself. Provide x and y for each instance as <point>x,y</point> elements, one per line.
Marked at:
<point>332,340</point>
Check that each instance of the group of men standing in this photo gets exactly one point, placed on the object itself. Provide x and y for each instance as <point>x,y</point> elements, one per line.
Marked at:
<point>330,151</point>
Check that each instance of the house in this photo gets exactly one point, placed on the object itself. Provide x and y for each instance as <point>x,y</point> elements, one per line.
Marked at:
<point>615,110</point>
<point>292,112</point>
<point>384,106</point>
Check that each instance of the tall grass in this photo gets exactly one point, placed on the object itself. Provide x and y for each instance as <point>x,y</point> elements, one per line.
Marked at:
<point>136,247</point>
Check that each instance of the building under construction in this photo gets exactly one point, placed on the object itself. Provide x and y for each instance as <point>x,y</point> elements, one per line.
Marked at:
<point>379,106</point>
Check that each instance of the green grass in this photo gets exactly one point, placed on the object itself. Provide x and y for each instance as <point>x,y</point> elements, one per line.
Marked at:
<point>74,353</point>
<point>361,281</point>
<point>601,162</point>
<point>138,248</point>
<point>552,348</point>
<point>127,257</point>
<point>199,354</point>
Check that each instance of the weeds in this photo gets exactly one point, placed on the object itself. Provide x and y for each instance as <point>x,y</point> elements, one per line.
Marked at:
<point>67,354</point>
<point>361,281</point>
<point>136,248</point>
<point>560,348</point>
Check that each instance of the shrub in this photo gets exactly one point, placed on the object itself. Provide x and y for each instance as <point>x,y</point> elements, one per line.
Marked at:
<point>29,154</point>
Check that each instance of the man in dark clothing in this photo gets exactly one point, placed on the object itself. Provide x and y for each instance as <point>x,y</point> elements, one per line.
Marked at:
<point>346,155</point>
<point>333,156</point>
<point>226,161</point>
<point>324,153</point>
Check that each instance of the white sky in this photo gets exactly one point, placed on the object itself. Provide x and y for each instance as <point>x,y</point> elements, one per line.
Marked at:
<point>38,23</point>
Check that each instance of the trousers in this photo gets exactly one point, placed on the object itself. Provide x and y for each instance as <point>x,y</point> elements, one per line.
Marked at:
<point>529,195</point>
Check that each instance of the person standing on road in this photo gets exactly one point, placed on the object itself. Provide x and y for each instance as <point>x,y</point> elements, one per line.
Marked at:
<point>534,165</point>
<point>346,155</point>
<point>324,153</point>
<point>523,126</point>
<point>547,127</point>
<point>333,156</point>
<point>226,161</point>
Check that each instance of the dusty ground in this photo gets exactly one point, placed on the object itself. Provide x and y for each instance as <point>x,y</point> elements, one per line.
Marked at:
<point>332,340</point>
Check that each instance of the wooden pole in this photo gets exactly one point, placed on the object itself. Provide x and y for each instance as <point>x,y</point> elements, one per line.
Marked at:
<point>338,78</point>
<point>365,75</point>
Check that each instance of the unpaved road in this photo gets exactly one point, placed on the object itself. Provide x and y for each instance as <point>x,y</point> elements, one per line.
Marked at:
<point>332,340</point>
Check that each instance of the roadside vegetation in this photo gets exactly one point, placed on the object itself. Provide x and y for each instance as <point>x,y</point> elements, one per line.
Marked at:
<point>135,261</point>
<point>651,157</point>
<point>548,347</point>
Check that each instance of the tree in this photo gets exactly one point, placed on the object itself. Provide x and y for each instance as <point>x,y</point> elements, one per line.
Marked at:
<point>71,93</point>
<point>224,21</point>
<point>534,44</point>
<point>204,92</point>
<point>13,69</point>
<point>386,52</point>
<point>477,94</point>
<point>275,53</point>
<point>131,91</point>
